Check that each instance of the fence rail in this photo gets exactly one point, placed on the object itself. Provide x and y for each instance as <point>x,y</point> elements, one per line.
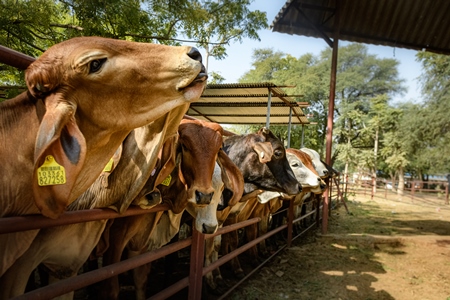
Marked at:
<point>415,190</point>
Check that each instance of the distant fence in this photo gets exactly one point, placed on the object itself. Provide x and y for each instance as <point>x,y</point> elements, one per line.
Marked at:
<point>431,191</point>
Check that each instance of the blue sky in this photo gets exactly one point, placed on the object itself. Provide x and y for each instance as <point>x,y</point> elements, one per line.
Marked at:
<point>239,56</point>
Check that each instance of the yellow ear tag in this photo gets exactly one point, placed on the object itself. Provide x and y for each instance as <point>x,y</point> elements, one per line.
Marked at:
<point>109,166</point>
<point>51,173</point>
<point>167,181</point>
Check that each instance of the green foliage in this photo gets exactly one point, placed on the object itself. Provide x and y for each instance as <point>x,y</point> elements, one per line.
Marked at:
<point>215,78</point>
<point>31,26</point>
<point>360,77</point>
<point>431,125</point>
<point>215,24</point>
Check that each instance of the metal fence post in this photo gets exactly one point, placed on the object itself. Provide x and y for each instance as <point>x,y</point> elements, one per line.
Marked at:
<point>290,222</point>
<point>196,265</point>
<point>446,194</point>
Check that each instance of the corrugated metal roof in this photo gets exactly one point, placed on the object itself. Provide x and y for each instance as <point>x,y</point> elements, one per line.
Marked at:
<point>411,24</point>
<point>247,103</point>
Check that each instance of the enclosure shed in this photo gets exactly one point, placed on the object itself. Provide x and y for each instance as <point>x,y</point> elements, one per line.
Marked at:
<point>411,24</point>
<point>249,103</point>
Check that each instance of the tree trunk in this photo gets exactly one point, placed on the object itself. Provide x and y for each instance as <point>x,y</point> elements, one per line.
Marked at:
<point>345,176</point>
<point>401,181</point>
<point>346,166</point>
<point>374,170</point>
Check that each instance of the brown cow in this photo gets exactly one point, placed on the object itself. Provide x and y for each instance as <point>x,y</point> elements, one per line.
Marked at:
<point>261,157</point>
<point>64,249</point>
<point>267,203</point>
<point>59,135</point>
<point>191,186</point>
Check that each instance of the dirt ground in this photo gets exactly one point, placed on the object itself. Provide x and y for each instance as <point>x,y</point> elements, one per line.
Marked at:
<point>384,249</point>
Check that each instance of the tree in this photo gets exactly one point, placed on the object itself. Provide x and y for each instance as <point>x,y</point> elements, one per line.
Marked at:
<point>432,122</point>
<point>31,26</point>
<point>216,23</point>
<point>360,77</point>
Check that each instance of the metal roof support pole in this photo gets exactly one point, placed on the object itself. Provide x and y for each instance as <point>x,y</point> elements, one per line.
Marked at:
<point>269,100</point>
<point>289,128</point>
<point>329,133</point>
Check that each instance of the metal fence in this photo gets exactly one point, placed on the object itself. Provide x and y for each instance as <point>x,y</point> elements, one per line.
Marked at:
<point>196,241</point>
<point>431,191</point>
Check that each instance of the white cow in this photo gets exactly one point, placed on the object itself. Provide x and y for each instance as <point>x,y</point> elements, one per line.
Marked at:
<point>317,162</point>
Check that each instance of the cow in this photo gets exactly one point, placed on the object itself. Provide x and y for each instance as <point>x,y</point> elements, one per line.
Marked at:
<point>318,164</point>
<point>64,249</point>
<point>58,135</point>
<point>267,203</point>
<point>261,158</point>
<point>313,199</point>
<point>316,186</point>
<point>195,184</point>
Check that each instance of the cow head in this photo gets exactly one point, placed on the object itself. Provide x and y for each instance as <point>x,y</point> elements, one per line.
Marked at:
<point>261,157</point>
<point>317,163</point>
<point>96,90</point>
<point>302,166</point>
<point>200,143</point>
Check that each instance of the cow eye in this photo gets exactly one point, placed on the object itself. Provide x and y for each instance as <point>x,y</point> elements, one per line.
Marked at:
<point>96,65</point>
<point>296,165</point>
<point>278,154</point>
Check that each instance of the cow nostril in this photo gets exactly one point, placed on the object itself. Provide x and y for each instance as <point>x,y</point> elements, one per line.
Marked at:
<point>153,198</point>
<point>201,198</point>
<point>195,54</point>
<point>206,229</point>
<point>300,188</point>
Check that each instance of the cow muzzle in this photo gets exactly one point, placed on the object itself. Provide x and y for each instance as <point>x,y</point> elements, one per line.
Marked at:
<point>202,76</point>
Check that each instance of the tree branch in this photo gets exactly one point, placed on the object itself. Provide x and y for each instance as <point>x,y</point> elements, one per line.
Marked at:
<point>168,39</point>
<point>171,27</point>
<point>71,26</point>
<point>24,41</point>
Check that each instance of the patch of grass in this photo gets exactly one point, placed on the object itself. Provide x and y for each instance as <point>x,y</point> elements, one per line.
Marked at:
<point>386,268</point>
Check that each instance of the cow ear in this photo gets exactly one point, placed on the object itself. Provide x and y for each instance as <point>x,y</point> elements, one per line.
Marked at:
<point>231,177</point>
<point>43,76</point>
<point>169,159</point>
<point>59,155</point>
<point>266,196</point>
<point>164,166</point>
<point>264,151</point>
<point>110,167</point>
